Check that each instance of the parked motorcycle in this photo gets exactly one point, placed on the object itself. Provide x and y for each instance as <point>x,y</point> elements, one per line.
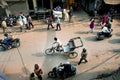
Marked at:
<point>13,44</point>
<point>62,71</point>
<point>101,35</point>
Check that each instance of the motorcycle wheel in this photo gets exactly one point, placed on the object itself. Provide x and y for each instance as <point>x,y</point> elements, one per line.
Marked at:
<point>51,74</point>
<point>73,55</point>
<point>49,51</point>
<point>3,47</point>
<point>100,37</point>
<point>16,44</point>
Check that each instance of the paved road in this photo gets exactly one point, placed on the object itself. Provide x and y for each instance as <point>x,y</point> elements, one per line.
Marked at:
<point>18,63</point>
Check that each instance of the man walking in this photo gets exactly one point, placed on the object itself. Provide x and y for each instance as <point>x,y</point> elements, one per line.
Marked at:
<point>91,26</point>
<point>49,22</point>
<point>4,26</point>
<point>58,24</point>
<point>83,56</point>
<point>70,13</point>
<point>29,19</point>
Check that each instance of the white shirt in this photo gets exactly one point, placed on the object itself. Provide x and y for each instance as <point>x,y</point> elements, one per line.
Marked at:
<point>57,43</point>
<point>24,20</point>
<point>105,30</point>
<point>58,21</point>
<point>20,21</point>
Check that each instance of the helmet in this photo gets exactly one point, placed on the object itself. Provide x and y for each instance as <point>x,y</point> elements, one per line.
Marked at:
<point>55,38</point>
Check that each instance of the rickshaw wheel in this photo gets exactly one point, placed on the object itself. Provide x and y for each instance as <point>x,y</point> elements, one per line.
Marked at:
<point>73,55</point>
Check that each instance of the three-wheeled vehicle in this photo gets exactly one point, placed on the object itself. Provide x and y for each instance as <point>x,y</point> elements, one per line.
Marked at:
<point>68,48</point>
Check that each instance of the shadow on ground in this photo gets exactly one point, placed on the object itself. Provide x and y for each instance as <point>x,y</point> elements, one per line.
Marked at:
<point>117,24</point>
<point>81,32</point>
<point>115,50</point>
<point>114,41</point>
<point>91,38</point>
<point>40,54</point>
<point>41,30</point>
<point>117,34</point>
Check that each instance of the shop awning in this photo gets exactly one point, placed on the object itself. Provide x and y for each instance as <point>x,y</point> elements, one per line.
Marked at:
<point>112,2</point>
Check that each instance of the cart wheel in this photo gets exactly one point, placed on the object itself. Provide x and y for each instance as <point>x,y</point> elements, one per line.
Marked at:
<point>73,55</point>
<point>49,51</point>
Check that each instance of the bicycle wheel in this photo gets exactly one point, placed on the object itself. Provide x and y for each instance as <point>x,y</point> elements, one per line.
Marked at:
<point>73,55</point>
<point>49,51</point>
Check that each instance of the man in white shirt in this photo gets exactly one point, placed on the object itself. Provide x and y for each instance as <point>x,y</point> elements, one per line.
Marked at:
<point>58,24</point>
<point>106,30</point>
<point>57,43</point>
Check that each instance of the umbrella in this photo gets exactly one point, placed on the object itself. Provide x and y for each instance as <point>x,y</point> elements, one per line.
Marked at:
<point>112,2</point>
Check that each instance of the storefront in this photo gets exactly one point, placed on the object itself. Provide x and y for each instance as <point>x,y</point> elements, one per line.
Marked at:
<point>110,6</point>
<point>41,4</point>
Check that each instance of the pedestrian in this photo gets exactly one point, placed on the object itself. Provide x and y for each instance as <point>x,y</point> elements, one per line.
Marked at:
<point>29,19</point>
<point>32,76</point>
<point>38,71</point>
<point>20,22</point>
<point>58,24</point>
<point>83,56</point>
<point>4,26</point>
<point>70,13</point>
<point>95,13</point>
<point>91,26</point>
<point>65,15</point>
<point>49,22</point>
<point>104,19</point>
<point>25,22</point>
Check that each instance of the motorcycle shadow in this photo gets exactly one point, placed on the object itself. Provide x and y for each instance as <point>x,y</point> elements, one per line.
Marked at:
<point>91,38</point>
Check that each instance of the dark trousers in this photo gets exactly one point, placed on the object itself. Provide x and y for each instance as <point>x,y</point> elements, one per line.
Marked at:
<point>39,77</point>
<point>70,17</point>
<point>30,24</point>
<point>81,59</point>
<point>49,26</point>
<point>58,27</point>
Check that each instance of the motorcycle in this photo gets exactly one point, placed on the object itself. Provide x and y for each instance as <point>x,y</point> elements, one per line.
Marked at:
<point>13,44</point>
<point>101,35</point>
<point>62,71</point>
<point>67,49</point>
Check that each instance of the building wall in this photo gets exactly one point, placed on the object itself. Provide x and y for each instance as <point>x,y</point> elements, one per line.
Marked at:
<point>18,7</point>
